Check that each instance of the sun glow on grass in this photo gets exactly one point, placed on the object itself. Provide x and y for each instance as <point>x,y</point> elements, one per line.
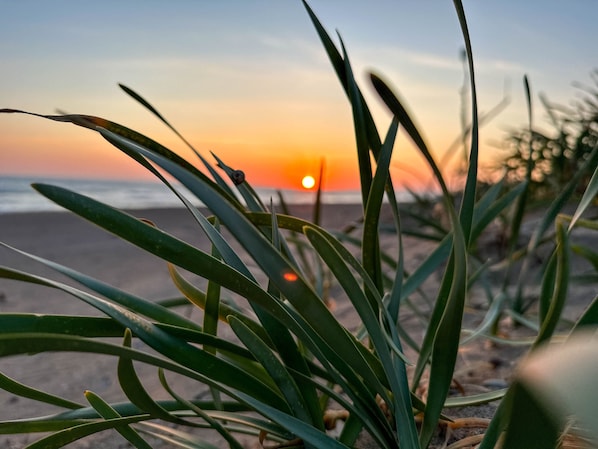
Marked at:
<point>308,182</point>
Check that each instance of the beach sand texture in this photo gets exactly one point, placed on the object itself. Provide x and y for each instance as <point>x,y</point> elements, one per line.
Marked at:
<point>70,240</point>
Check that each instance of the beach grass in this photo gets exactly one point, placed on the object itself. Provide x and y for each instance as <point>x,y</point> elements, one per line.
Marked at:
<point>288,370</point>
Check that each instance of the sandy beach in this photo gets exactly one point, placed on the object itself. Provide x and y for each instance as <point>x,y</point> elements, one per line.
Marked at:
<point>69,240</point>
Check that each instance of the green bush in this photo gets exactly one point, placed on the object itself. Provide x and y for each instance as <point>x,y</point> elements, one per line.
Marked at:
<point>292,357</point>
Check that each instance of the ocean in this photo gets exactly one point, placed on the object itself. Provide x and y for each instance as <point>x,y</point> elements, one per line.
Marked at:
<point>17,195</point>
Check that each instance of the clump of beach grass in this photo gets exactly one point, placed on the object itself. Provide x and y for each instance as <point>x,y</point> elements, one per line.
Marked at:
<point>293,371</point>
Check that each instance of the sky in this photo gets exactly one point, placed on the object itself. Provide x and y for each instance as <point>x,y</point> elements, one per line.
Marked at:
<point>250,81</point>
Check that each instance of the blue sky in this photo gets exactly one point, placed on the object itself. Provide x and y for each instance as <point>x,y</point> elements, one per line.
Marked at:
<point>240,77</point>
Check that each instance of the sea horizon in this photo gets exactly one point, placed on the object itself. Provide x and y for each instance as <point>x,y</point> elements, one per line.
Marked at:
<point>17,195</point>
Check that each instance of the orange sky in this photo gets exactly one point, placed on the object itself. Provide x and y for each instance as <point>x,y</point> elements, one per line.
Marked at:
<point>260,92</point>
<point>273,150</point>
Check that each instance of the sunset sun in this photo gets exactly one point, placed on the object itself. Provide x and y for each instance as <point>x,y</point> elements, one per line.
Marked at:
<point>308,182</point>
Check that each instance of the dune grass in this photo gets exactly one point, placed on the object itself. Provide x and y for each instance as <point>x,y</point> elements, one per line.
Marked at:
<point>292,357</point>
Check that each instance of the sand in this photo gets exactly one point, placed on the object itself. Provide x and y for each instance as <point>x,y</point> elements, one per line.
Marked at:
<point>67,239</point>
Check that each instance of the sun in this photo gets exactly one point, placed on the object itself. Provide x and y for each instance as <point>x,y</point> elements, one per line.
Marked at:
<point>308,182</point>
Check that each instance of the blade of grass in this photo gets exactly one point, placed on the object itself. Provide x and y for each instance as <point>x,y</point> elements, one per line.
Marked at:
<point>339,67</point>
<point>93,123</point>
<point>107,412</point>
<point>588,197</point>
<point>318,201</point>
<point>469,194</point>
<point>589,316</point>
<point>71,434</point>
<point>307,433</point>
<point>140,305</point>
<point>252,200</point>
<point>84,326</point>
<point>359,125</point>
<point>214,424</point>
<point>559,287</point>
<point>370,241</point>
<point>23,391</point>
<point>134,390</point>
<point>275,369</point>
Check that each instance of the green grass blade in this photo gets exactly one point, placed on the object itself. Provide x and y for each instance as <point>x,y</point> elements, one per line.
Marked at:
<point>97,123</point>
<point>359,125</point>
<point>72,418</point>
<point>588,254</point>
<point>337,263</point>
<point>289,351</point>
<point>299,225</point>
<point>224,249</point>
<point>84,326</point>
<point>199,299</point>
<point>219,179</point>
<point>154,111</point>
<point>306,432</point>
<point>529,424</point>
<point>252,199</point>
<point>492,314</point>
<point>559,287</point>
<point>333,249</point>
<point>319,190</point>
<point>558,380</point>
<point>475,399</point>
<point>483,216</point>
<point>446,341</point>
<point>12,386</point>
<point>275,369</point>
<point>134,390</point>
<point>428,266</point>
<point>589,316</point>
<point>351,429</point>
<point>339,67</point>
<point>212,309</point>
<point>395,105</point>
<point>588,197</point>
<point>176,438</point>
<point>214,424</point>
<point>469,194</point>
<point>107,412</point>
<point>140,305</point>
<point>370,240</point>
<point>548,287</point>
<point>64,437</point>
